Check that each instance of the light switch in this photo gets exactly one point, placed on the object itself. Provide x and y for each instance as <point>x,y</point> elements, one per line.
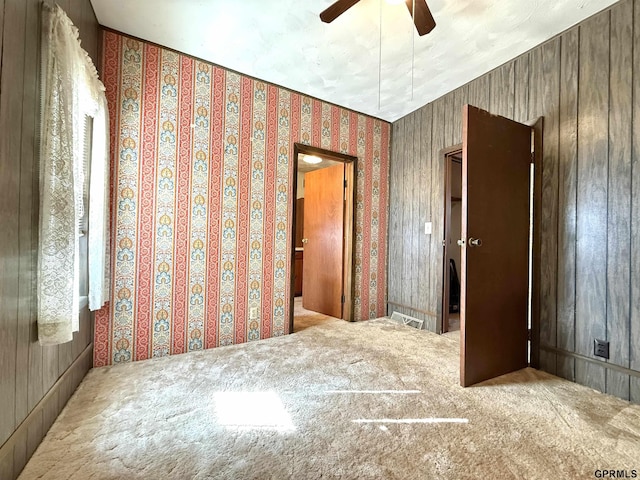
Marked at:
<point>427,228</point>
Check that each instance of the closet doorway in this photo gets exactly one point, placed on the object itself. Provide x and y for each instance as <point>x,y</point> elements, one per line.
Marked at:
<point>499,243</point>
<point>322,237</point>
<point>453,233</point>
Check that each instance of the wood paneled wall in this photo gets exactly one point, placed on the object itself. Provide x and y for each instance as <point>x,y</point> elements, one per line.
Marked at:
<point>35,382</point>
<point>586,84</point>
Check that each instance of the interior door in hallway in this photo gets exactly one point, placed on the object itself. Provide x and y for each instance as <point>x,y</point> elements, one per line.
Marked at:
<point>496,167</point>
<point>322,282</point>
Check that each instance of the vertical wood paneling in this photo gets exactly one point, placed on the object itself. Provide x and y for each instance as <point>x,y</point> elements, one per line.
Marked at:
<point>544,96</point>
<point>408,231</point>
<point>479,92</point>
<point>34,434</point>
<point>591,254</point>
<point>64,4</point>
<point>19,456</point>
<point>30,149</point>
<point>619,195</point>
<point>586,86</point>
<point>27,371</point>
<point>399,210</point>
<point>88,23</point>
<point>395,215</point>
<point>502,82</point>
<point>461,99</point>
<point>6,467</point>
<point>417,218</point>
<point>50,411</point>
<point>453,116</point>
<point>449,118</point>
<point>425,161</point>
<point>50,372</point>
<point>27,225</point>
<point>10,123</point>
<point>65,356</point>
<point>521,88</point>
<point>568,169</point>
<point>634,329</point>
<point>1,29</point>
<point>74,11</point>
<point>437,206</point>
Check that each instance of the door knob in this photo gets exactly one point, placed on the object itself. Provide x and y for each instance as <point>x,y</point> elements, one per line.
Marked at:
<point>461,243</point>
<point>305,240</point>
<point>475,242</point>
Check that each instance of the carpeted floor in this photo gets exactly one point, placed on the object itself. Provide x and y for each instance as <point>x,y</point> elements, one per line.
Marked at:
<point>339,400</point>
<point>303,318</point>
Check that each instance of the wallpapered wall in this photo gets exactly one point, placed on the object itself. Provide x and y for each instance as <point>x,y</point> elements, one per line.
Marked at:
<point>202,179</point>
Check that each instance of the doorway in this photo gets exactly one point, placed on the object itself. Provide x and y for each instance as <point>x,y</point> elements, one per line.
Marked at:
<point>322,237</point>
<point>453,233</point>
<point>495,177</point>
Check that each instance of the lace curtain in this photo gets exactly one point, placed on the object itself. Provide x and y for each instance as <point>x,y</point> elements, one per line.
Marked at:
<point>71,91</point>
<point>99,262</point>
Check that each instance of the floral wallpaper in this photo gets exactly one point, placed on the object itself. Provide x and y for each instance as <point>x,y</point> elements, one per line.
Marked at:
<point>201,191</point>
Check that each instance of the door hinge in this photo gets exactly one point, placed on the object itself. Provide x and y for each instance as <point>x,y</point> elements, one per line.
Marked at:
<point>342,299</point>
<point>533,156</point>
<point>529,336</point>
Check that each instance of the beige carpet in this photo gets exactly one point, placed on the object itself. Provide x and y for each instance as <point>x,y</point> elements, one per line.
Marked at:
<point>303,318</point>
<point>340,400</point>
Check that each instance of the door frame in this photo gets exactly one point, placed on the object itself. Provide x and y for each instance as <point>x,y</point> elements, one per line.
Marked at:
<point>537,128</point>
<point>348,259</point>
<point>537,140</point>
<point>446,154</point>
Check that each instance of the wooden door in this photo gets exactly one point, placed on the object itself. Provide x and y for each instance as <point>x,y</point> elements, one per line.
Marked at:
<point>496,158</point>
<point>324,234</point>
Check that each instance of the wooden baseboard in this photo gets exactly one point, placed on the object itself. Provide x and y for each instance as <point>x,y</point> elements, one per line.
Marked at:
<point>599,363</point>
<point>23,439</point>
<point>406,307</point>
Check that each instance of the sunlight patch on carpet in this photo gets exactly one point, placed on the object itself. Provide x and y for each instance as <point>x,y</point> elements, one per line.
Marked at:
<point>252,410</point>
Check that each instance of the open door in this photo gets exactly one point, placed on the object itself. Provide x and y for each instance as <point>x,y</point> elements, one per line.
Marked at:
<point>496,165</point>
<point>322,279</point>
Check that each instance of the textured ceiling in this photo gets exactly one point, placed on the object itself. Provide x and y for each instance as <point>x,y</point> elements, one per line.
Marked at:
<point>284,42</point>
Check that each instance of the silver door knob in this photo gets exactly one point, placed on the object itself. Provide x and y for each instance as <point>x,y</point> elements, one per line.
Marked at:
<point>475,242</point>
<point>461,243</point>
<point>305,240</point>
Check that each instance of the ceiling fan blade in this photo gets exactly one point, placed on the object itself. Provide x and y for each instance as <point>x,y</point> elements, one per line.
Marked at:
<point>337,9</point>
<point>423,19</point>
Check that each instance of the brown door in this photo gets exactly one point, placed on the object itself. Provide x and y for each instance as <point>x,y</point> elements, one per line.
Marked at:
<point>324,235</point>
<point>496,156</point>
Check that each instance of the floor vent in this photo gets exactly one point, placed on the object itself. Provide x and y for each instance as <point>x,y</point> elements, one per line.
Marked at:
<point>407,320</point>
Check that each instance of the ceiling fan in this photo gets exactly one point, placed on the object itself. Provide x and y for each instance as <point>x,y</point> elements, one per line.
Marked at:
<point>423,19</point>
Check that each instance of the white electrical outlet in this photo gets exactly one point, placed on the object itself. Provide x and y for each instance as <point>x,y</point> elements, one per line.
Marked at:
<point>427,228</point>
<point>253,313</point>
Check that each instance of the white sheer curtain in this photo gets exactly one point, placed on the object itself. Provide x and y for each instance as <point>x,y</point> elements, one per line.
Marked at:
<point>71,91</point>
<point>99,263</point>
